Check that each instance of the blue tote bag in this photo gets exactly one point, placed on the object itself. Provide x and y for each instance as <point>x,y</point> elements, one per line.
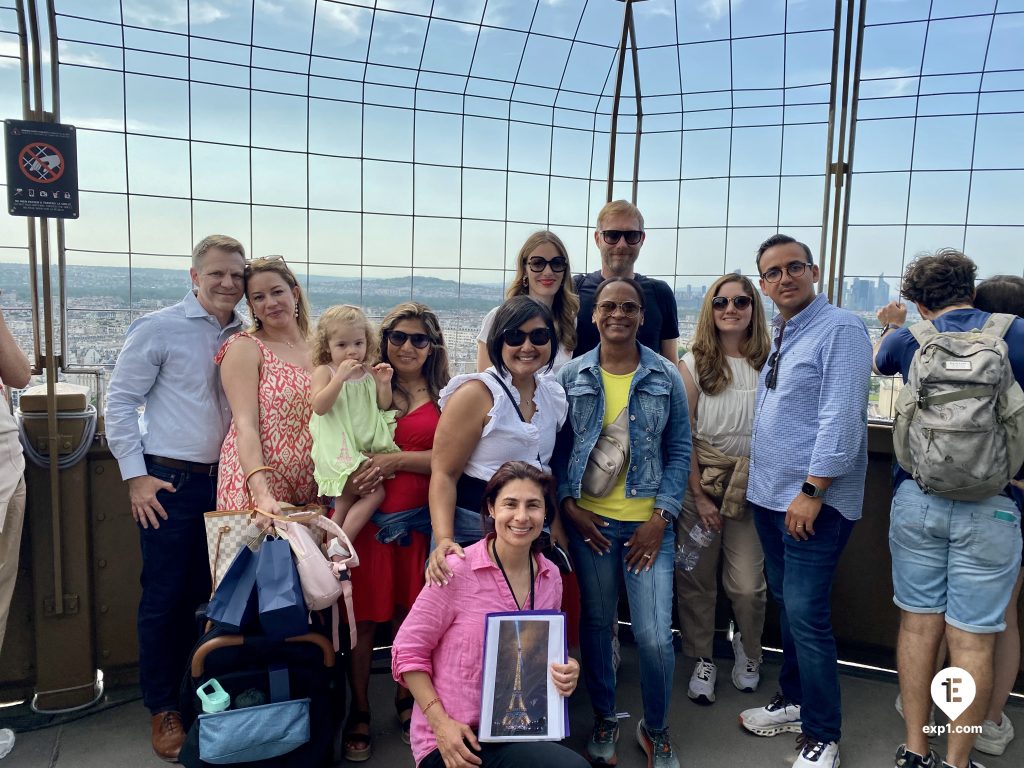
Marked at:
<point>283,610</point>
<point>232,605</point>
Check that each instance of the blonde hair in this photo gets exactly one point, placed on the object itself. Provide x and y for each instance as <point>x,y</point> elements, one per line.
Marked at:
<point>208,243</point>
<point>566,304</point>
<point>337,317</point>
<point>712,368</point>
<point>435,369</point>
<point>277,265</point>
<point>623,207</point>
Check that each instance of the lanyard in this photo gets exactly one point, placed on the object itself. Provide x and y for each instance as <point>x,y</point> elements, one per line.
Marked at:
<point>494,550</point>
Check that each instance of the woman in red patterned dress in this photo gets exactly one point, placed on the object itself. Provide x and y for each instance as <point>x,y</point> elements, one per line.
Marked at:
<point>265,373</point>
<point>390,576</point>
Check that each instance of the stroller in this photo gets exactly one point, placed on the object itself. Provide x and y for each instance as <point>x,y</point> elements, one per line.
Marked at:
<point>285,697</point>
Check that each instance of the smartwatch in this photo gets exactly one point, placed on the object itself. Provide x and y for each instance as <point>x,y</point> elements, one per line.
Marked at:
<point>810,489</point>
<point>665,516</point>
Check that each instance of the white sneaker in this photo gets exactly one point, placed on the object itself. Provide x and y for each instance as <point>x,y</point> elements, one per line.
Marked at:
<point>993,738</point>
<point>779,716</point>
<point>817,754</point>
<point>746,672</point>
<point>7,741</point>
<point>702,682</point>
<point>899,708</point>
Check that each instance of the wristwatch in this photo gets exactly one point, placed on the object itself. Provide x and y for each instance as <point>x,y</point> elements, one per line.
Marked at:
<point>810,489</point>
<point>665,516</point>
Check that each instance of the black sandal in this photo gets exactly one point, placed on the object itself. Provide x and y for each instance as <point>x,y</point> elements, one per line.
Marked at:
<point>403,709</point>
<point>357,744</point>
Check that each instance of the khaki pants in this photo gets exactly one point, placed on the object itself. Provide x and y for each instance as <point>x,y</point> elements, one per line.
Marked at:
<point>742,577</point>
<point>10,547</point>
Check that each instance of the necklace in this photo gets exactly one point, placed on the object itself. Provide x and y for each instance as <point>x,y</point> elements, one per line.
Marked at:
<point>497,561</point>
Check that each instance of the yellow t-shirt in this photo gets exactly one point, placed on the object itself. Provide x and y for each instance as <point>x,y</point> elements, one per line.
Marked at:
<point>615,505</point>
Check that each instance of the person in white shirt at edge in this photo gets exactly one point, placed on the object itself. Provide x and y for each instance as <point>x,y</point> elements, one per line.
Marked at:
<point>15,371</point>
<point>482,427</point>
<point>541,270</point>
<point>168,456</point>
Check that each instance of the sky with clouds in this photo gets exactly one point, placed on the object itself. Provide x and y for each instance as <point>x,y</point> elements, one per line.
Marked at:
<point>431,136</point>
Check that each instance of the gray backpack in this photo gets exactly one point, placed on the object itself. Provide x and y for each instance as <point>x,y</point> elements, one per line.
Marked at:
<point>959,428</point>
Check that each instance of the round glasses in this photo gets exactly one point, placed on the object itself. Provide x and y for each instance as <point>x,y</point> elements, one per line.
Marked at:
<point>516,337</point>
<point>628,308</point>
<point>612,236</point>
<point>538,264</point>
<point>793,269</point>
<point>740,302</point>
<point>398,339</point>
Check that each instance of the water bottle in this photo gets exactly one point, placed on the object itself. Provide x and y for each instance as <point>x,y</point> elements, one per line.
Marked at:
<point>689,551</point>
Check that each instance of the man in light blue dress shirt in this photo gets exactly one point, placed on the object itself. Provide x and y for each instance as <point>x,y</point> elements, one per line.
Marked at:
<point>168,456</point>
<point>808,460</point>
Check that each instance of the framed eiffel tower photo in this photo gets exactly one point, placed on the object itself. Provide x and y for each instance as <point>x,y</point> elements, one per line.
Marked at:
<point>519,701</point>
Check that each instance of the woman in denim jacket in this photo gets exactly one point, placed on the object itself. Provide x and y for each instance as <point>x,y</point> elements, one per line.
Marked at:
<point>626,535</point>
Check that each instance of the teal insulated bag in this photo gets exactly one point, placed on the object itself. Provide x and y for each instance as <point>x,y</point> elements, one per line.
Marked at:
<point>254,733</point>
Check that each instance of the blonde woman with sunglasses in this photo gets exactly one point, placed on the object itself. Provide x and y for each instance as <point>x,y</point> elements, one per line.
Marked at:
<point>542,273</point>
<point>729,347</point>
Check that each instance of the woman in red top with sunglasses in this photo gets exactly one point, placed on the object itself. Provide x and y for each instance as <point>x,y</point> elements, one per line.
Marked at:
<point>542,273</point>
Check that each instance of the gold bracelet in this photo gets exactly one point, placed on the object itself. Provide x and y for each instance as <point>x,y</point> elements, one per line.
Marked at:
<point>431,703</point>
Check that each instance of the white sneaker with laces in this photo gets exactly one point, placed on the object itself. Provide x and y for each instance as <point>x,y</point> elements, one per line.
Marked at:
<point>817,754</point>
<point>994,738</point>
<point>779,716</point>
<point>702,682</point>
<point>746,672</point>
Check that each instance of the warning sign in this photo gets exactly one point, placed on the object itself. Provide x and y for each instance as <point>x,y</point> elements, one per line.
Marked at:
<point>42,169</point>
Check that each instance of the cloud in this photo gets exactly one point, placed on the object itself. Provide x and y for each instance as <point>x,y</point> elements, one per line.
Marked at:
<point>889,81</point>
<point>156,14</point>
<point>10,53</point>
<point>344,18</point>
<point>715,10</point>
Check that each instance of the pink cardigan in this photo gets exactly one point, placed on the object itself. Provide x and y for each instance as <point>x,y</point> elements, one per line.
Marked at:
<point>444,635</point>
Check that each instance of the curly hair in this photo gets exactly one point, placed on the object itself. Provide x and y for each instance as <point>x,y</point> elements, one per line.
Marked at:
<point>338,317</point>
<point>436,369</point>
<point>1001,293</point>
<point>939,280</point>
<point>713,370</point>
<point>566,305</point>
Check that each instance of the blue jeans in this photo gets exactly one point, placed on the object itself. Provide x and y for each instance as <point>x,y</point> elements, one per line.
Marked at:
<point>650,608</point>
<point>396,526</point>
<point>800,575</point>
<point>175,581</point>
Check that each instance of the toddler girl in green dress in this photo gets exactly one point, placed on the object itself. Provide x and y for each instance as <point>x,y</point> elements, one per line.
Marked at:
<point>350,416</point>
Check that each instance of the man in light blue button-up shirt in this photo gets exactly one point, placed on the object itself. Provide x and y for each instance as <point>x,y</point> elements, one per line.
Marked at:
<point>168,456</point>
<point>808,459</point>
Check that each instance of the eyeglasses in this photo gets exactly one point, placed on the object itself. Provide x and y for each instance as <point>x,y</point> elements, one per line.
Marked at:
<point>398,339</point>
<point>263,259</point>
<point>772,379</point>
<point>611,236</point>
<point>538,264</point>
<point>793,269</point>
<point>516,337</point>
<point>740,302</point>
<point>628,308</point>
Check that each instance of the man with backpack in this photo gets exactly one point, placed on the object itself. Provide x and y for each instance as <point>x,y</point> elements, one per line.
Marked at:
<point>954,533</point>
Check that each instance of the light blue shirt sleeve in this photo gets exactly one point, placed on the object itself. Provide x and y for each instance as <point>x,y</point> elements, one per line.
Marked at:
<point>138,366</point>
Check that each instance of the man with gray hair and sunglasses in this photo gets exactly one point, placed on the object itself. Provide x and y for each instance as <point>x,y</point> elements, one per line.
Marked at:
<point>168,457</point>
<point>619,237</point>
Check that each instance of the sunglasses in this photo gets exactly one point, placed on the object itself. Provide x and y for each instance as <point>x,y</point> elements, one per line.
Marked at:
<point>772,379</point>
<point>398,339</point>
<point>611,236</point>
<point>740,302</point>
<point>516,337</point>
<point>628,308</point>
<point>264,259</point>
<point>539,263</point>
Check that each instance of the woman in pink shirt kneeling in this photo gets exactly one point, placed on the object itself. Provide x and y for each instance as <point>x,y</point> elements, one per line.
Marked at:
<point>438,652</point>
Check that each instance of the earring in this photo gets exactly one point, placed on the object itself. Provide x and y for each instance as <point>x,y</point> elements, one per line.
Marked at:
<point>526,282</point>
<point>256,323</point>
<point>296,311</point>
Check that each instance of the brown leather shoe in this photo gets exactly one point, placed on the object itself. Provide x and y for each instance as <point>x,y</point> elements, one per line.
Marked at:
<point>168,735</point>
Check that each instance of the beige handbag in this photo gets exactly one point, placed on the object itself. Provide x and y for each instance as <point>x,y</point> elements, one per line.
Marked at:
<point>227,531</point>
<point>609,456</point>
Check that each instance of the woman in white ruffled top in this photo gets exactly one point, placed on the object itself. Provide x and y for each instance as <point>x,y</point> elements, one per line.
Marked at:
<point>720,372</point>
<point>511,411</point>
